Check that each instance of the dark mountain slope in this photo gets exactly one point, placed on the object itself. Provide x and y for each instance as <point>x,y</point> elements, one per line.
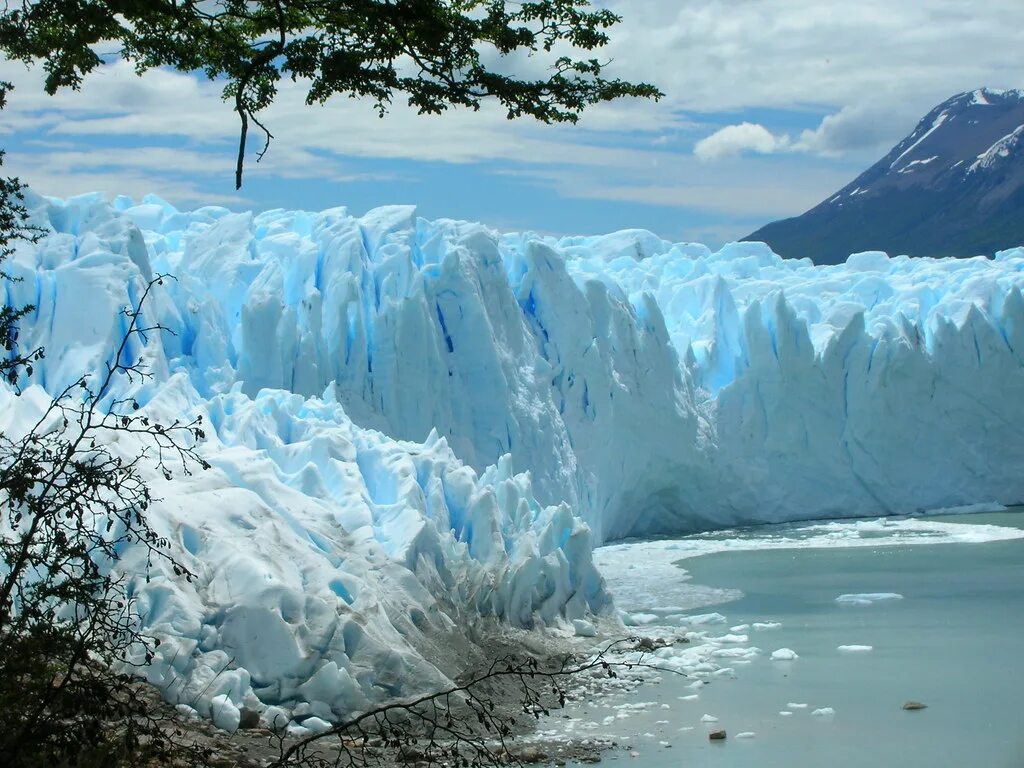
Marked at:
<point>953,187</point>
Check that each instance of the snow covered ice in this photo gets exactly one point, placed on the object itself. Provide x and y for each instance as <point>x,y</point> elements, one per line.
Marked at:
<point>868,598</point>
<point>416,424</point>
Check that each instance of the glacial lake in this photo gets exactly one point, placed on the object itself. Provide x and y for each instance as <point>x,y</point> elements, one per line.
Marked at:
<point>948,632</point>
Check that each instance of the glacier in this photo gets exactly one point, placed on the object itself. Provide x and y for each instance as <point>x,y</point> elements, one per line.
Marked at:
<point>419,426</point>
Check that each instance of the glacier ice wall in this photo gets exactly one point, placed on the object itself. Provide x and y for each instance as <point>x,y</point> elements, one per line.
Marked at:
<point>651,386</point>
<point>414,325</point>
<point>413,419</point>
<point>335,565</point>
<point>882,385</point>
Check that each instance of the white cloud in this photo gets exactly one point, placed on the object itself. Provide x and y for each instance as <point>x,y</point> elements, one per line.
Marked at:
<point>741,190</point>
<point>861,128</point>
<point>707,55</point>
<point>871,126</point>
<point>51,179</point>
<point>723,55</point>
<point>734,140</point>
<point>166,105</point>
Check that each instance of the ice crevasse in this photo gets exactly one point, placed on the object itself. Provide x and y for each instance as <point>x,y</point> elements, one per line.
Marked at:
<point>417,423</point>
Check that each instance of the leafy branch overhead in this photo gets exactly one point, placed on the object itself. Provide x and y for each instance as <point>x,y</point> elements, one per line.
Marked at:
<point>437,53</point>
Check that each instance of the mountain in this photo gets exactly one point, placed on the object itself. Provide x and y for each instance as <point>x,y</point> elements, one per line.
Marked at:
<point>953,187</point>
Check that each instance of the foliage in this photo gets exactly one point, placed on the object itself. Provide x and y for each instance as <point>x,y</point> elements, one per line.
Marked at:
<point>13,229</point>
<point>69,506</point>
<point>438,53</point>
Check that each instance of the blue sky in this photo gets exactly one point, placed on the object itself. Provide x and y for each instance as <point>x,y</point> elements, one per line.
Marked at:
<point>771,105</point>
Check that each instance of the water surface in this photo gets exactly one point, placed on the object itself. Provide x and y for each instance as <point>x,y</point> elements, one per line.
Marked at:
<point>954,641</point>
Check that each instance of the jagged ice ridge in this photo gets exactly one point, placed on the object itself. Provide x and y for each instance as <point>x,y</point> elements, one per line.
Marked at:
<point>417,424</point>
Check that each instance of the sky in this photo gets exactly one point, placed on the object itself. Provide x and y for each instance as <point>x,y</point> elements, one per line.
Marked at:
<point>770,106</point>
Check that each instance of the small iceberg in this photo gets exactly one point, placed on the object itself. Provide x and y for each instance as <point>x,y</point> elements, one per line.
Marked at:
<point>867,598</point>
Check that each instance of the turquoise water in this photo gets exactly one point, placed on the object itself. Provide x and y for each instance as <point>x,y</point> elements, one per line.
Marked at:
<point>954,642</point>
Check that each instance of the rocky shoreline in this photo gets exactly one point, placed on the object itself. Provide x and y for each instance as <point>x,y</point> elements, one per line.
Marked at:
<point>255,746</point>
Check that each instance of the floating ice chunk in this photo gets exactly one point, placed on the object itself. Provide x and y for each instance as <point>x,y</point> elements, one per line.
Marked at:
<point>867,598</point>
<point>708,719</point>
<point>730,639</point>
<point>735,653</point>
<point>795,705</point>
<point>784,654</point>
<point>704,618</point>
<point>823,712</point>
<point>746,735</point>
<point>854,648</point>
<point>739,628</point>
<point>637,705</point>
<point>691,697</point>
<point>584,628</point>
<point>785,713</point>
<point>642,618</point>
<point>759,625</point>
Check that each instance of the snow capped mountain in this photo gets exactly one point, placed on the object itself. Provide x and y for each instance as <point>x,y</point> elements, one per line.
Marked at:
<point>420,426</point>
<point>953,187</point>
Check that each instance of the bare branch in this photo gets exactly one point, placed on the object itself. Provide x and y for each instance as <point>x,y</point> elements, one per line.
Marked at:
<point>463,722</point>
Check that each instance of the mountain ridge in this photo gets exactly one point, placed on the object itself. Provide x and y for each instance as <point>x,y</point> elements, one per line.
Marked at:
<point>953,187</point>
